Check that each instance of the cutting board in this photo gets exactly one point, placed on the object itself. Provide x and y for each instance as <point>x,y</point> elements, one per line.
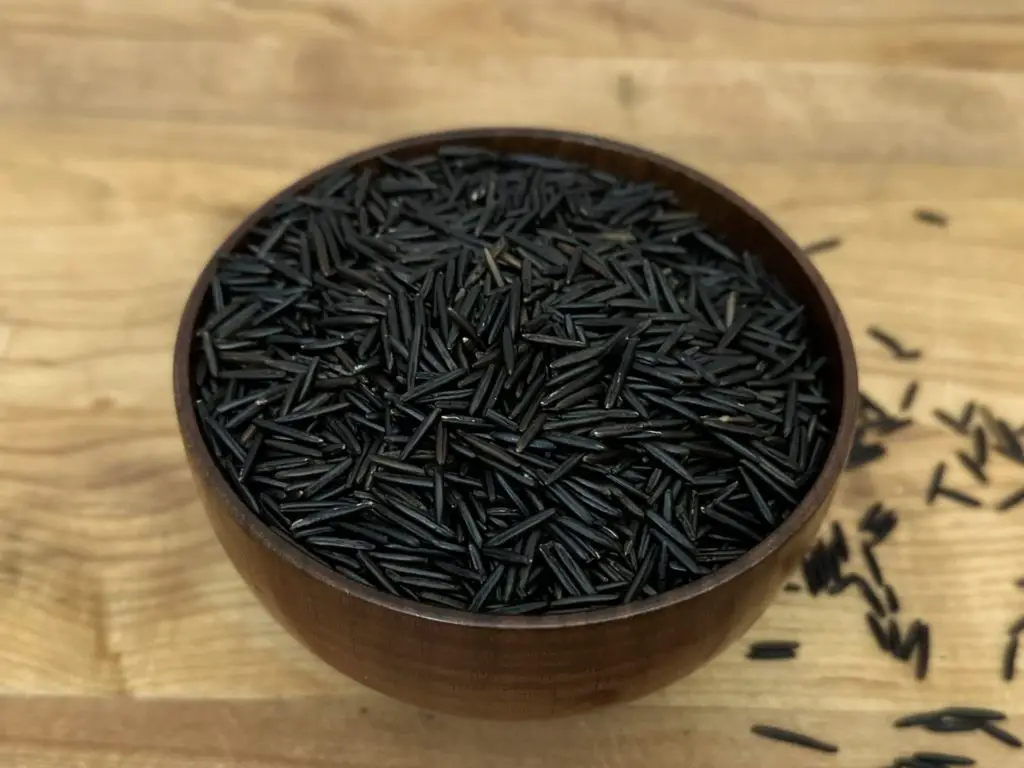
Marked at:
<point>134,136</point>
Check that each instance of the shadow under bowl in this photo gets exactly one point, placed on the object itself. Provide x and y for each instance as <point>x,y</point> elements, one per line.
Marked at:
<point>544,666</point>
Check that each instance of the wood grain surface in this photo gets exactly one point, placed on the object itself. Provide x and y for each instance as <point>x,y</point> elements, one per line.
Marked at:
<point>133,136</point>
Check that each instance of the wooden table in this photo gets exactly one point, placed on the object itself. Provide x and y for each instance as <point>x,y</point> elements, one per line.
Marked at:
<point>133,136</point>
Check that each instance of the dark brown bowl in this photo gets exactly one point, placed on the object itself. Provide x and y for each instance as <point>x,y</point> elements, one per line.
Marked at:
<point>531,667</point>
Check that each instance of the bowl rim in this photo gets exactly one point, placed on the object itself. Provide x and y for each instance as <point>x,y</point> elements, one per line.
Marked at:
<point>203,462</point>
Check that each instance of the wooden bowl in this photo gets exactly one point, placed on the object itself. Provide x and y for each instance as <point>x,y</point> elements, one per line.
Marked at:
<point>531,667</point>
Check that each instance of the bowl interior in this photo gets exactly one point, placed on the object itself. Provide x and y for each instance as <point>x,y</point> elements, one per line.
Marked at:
<point>737,222</point>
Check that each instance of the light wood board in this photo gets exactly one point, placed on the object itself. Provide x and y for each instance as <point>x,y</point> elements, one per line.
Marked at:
<point>133,136</point>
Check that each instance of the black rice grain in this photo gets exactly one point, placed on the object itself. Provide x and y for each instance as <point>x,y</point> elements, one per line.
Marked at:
<point>980,445</point>
<point>864,453</point>
<point>961,498</point>
<point>931,217</point>
<point>892,602</point>
<point>1011,501</point>
<point>893,345</point>
<point>1010,657</point>
<point>874,422</point>
<point>950,421</point>
<point>935,483</point>
<point>878,631</point>
<point>772,650</point>
<point>879,522</point>
<point>547,385</point>
<point>877,418</point>
<point>1004,438</point>
<point>792,737</point>
<point>1002,735</point>
<point>909,396</point>
<point>968,463</point>
<point>923,648</point>
<point>822,567</point>
<point>821,246</point>
<point>967,413</point>
<point>941,759</point>
<point>902,648</point>
<point>874,569</point>
<point>970,717</point>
